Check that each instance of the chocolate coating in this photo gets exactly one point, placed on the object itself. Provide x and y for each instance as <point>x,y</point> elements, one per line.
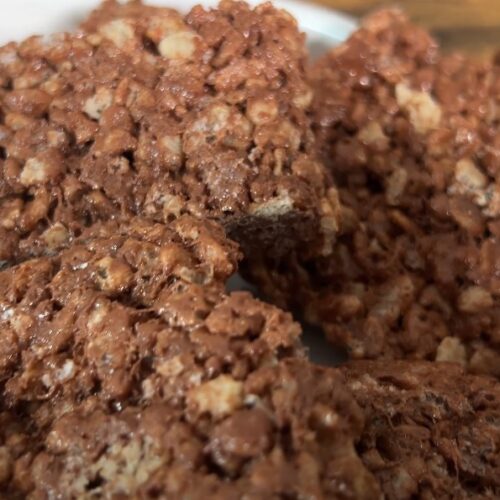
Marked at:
<point>411,139</point>
<point>431,430</point>
<point>147,113</point>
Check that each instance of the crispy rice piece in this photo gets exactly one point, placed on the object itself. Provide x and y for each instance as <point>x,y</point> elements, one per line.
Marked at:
<point>128,315</point>
<point>283,431</point>
<point>126,370</point>
<point>150,113</point>
<point>411,138</point>
<point>129,311</point>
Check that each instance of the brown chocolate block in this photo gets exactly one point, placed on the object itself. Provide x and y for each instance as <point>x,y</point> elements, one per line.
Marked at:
<point>431,430</point>
<point>411,139</point>
<point>149,113</point>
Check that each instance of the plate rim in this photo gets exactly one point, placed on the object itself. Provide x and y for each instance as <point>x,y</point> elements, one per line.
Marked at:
<point>60,15</point>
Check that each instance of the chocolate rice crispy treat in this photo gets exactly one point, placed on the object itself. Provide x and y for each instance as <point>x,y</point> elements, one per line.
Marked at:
<point>284,432</point>
<point>431,430</point>
<point>129,314</point>
<point>411,138</point>
<point>125,306</point>
<point>127,371</point>
<point>149,113</point>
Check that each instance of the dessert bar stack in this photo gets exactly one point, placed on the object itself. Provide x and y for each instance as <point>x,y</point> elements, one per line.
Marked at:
<point>147,157</point>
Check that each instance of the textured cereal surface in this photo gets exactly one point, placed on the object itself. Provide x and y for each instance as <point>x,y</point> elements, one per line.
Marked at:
<point>147,113</point>
<point>431,430</point>
<point>124,307</point>
<point>127,371</point>
<point>128,315</point>
<point>289,434</point>
<point>411,138</point>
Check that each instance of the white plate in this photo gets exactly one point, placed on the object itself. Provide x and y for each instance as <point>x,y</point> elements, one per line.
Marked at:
<point>324,28</point>
<point>22,18</point>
